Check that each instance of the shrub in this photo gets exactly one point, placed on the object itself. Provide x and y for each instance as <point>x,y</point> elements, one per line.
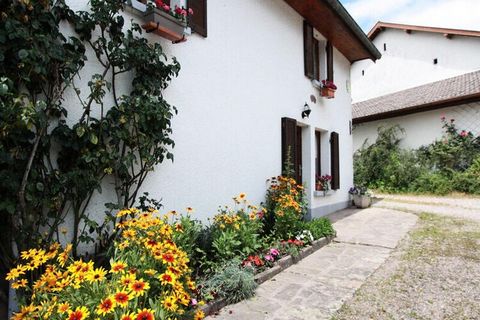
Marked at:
<point>236,231</point>
<point>231,282</point>
<point>148,275</point>
<point>320,227</point>
<point>432,182</point>
<point>286,207</point>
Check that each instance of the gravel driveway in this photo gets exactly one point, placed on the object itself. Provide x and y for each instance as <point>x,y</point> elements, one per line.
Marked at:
<point>433,273</point>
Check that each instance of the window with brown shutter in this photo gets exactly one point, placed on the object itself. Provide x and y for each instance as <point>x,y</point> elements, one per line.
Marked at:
<point>198,21</point>
<point>335,161</point>
<point>318,154</point>
<point>329,49</point>
<point>311,51</point>
<point>289,142</point>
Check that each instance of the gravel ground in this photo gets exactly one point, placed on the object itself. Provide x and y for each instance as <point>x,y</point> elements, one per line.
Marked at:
<point>433,274</point>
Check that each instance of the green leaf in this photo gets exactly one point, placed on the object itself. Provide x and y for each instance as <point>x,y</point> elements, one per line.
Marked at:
<point>80,131</point>
<point>93,139</point>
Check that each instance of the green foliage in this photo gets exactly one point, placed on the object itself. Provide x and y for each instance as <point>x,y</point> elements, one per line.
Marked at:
<point>231,282</point>
<point>319,228</point>
<point>444,166</point>
<point>51,165</point>
<point>236,232</point>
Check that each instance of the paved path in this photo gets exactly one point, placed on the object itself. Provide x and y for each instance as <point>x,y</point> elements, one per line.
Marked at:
<point>467,208</point>
<point>318,285</point>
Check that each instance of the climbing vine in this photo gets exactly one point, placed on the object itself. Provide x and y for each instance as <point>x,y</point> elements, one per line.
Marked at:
<point>56,153</point>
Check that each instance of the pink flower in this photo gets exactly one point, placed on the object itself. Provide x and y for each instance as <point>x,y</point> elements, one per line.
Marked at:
<point>443,118</point>
<point>184,12</point>
<point>194,302</point>
<point>464,133</point>
<point>268,257</point>
<point>159,3</point>
<point>178,10</point>
<point>190,11</point>
<point>166,7</point>
<point>274,252</point>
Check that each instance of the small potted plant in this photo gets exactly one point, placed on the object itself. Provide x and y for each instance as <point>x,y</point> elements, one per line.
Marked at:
<point>328,89</point>
<point>361,197</point>
<point>322,183</point>
<point>166,21</point>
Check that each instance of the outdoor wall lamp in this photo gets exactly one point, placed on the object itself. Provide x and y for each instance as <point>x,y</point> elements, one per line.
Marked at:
<point>306,111</point>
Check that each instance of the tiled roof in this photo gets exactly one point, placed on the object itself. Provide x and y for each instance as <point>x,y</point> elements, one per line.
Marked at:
<point>380,26</point>
<point>425,97</point>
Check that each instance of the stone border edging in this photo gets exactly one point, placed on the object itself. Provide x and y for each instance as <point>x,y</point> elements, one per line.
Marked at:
<point>280,265</point>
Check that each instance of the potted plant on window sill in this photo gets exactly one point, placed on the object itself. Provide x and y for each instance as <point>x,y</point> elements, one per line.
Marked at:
<point>165,21</point>
<point>328,89</point>
<point>322,184</point>
<point>361,197</point>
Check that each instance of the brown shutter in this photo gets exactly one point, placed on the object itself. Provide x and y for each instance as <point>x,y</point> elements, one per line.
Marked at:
<point>335,160</point>
<point>198,21</point>
<point>329,50</point>
<point>289,141</point>
<point>318,156</point>
<point>308,49</point>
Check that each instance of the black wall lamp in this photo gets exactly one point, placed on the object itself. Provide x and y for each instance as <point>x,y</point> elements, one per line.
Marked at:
<point>306,111</point>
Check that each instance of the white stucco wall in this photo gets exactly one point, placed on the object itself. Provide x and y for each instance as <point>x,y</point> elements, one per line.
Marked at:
<point>421,128</point>
<point>408,62</point>
<point>233,89</point>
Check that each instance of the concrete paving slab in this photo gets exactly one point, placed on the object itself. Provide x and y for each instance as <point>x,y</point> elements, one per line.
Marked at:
<point>318,285</point>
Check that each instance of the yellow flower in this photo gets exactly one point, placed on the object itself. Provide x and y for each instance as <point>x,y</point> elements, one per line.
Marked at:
<point>199,315</point>
<point>64,308</point>
<point>80,313</point>
<point>105,306</point>
<point>15,273</point>
<point>96,275</point>
<point>167,278</point>
<point>117,267</point>
<point>145,314</point>
<point>121,298</point>
<point>139,287</point>
<point>150,272</point>
<point>170,304</point>
<point>20,284</point>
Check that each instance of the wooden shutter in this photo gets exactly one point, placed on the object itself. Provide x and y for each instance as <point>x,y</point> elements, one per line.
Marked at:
<point>198,21</point>
<point>318,156</point>
<point>335,161</point>
<point>289,141</point>
<point>308,49</point>
<point>329,49</point>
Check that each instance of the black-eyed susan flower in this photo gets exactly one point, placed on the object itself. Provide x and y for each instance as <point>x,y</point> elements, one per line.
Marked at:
<point>121,298</point>
<point>145,314</point>
<point>138,287</point>
<point>106,306</point>
<point>80,313</point>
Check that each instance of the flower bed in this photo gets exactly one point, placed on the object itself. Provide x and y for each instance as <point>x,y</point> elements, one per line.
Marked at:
<point>167,266</point>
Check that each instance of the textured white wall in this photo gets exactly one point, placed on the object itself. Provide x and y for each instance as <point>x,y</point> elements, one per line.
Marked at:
<point>408,62</point>
<point>421,128</point>
<point>233,89</point>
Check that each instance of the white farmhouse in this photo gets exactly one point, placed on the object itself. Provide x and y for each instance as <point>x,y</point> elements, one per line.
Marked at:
<point>424,74</point>
<point>247,76</point>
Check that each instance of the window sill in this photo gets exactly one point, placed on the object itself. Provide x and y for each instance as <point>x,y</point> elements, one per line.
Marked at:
<point>321,194</point>
<point>159,22</point>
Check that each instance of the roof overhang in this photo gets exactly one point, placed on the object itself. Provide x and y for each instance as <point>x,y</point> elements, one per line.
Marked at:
<point>447,33</point>
<point>331,19</point>
<point>419,108</point>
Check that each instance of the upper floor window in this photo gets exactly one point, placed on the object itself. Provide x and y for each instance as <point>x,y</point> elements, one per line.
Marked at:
<point>318,55</point>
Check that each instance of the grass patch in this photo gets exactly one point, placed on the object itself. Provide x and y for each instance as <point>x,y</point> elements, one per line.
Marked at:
<point>440,236</point>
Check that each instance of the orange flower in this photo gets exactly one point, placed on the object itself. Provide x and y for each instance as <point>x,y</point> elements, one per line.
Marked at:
<point>199,315</point>
<point>145,314</point>
<point>121,298</point>
<point>64,307</point>
<point>139,287</point>
<point>105,306</point>
<point>167,278</point>
<point>168,258</point>
<point>129,316</point>
<point>80,313</point>
<point>117,267</point>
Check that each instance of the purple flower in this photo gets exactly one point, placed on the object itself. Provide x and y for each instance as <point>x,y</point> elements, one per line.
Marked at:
<point>268,257</point>
<point>274,252</point>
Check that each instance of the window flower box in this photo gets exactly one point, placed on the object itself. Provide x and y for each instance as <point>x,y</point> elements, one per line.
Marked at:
<point>164,25</point>
<point>328,89</point>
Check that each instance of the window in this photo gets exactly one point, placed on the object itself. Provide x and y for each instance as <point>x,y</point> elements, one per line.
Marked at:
<point>318,154</point>
<point>292,147</point>
<point>198,21</point>
<point>311,51</point>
